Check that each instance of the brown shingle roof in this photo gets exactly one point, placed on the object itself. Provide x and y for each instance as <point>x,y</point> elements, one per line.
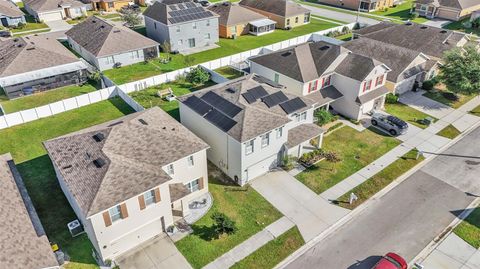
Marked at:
<point>134,150</point>
<point>47,5</point>
<point>357,66</point>
<point>233,14</point>
<point>302,133</point>
<point>103,39</point>
<point>22,246</point>
<point>10,9</point>
<point>283,8</point>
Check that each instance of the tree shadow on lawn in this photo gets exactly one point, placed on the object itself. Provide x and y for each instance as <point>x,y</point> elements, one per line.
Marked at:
<point>204,232</point>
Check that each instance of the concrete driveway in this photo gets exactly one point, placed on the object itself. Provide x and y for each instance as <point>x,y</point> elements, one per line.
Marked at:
<point>158,253</point>
<point>311,213</point>
<point>60,25</point>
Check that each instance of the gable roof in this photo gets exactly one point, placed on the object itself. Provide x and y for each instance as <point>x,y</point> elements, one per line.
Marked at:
<point>357,66</point>
<point>47,5</point>
<point>395,57</point>
<point>134,149</point>
<point>9,9</point>
<point>233,14</point>
<point>458,4</point>
<point>170,12</point>
<point>283,8</point>
<point>22,240</point>
<point>101,38</point>
<point>24,54</point>
<point>432,41</point>
<point>253,119</point>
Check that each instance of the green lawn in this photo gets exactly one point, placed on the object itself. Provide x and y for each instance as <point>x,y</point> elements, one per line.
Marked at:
<point>356,149</point>
<point>149,98</point>
<point>227,47</point>
<point>469,229</point>
<point>326,18</point>
<point>250,211</point>
<point>437,96</point>
<point>449,132</point>
<point>400,12</point>
<point>31,23</point>
<point>458,26</point>
<point>47,97</point>
<point>273,252</point>
<point>345,37</point>
<point>379,181</point>
<point>24,142</point>
<point>229,72</point>
<point>408,114</point>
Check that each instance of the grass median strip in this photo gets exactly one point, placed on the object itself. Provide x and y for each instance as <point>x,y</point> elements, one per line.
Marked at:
<point>449,132</point>
<point>469,229</point>
<point>273,252</point>
<point>379,181</point>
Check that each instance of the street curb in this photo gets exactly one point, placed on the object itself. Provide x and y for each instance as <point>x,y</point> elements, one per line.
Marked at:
<point>308,245</point>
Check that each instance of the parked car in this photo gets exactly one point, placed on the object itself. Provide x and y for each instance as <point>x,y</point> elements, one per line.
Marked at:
<point>391,261</point>
<point>393,125</point>
<point>133,7</point>
<point>5,33</point>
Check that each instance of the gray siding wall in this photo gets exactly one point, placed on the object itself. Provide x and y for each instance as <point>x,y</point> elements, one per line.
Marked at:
<point>13,21</point>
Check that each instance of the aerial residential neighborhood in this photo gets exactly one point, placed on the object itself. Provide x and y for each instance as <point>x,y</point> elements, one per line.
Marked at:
<point>239,134</point>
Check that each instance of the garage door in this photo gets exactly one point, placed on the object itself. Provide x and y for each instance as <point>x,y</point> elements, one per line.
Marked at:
<point>261,167</point>
<point>54,16</point>
<point>405,85</point>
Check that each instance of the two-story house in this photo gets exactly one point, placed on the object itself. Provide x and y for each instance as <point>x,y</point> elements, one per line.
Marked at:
<point>351,84</point>
<point>186,25</point>
<point>286,13</point>
<point>251,124</point>
<point>129,179</point>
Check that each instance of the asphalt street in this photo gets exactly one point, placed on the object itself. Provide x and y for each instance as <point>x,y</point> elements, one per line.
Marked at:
<point>339,15</point>
<point>408,217</point>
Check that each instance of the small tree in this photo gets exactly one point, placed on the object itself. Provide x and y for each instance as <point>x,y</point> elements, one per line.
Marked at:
<point>166,47</point>
<point>323,116</point>
<point>333,158</point>
<point>391,98</point>
<point>461,69</point>
<point>223,224</point>
<point>198,76</point>
<point>130,16</point>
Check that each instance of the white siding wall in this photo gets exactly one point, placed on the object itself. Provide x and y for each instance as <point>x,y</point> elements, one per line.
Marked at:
<point>293,86</point>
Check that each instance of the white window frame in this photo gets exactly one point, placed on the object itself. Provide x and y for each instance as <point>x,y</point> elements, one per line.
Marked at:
<point>249,147</point>
<point>180,42</point>
<point>207,36</point>
<point>193,185</point>
<point>135,54</point>
<point>265,140</point>
<point>280,132</point>
<point>190,161</point>
<point>276,78</point>
<point>110,60</point>
<point>178,29</point>
<point>170,169</point>
<point>115,216</point>
<point>194,25</point>
<point>208,22</point>
<point>149,197</point>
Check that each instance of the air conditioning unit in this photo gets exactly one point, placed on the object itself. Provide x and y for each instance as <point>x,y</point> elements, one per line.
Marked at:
<point>75,228</point>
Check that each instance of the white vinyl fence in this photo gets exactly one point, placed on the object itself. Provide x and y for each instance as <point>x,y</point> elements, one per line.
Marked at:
<point>28,115</point>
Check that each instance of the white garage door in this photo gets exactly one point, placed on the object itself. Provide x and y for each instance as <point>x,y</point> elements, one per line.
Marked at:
<point>54,16</point>
<point>261,167</point>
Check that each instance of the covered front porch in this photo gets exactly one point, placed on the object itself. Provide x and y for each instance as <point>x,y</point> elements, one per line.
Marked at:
<point>303,139</point>
<point>261,27</point>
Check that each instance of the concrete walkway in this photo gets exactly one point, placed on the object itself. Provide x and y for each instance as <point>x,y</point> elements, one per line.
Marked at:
<point>250,245</point>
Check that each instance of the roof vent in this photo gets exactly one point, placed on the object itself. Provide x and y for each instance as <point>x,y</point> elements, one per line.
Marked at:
<point>231,90</point>
<point>67,166</point>
<point>226,4</point>
<point>102,26</point>
<point>164,128</point>
<point>286,54</point>
<point>98,137</point>
<point>142,121</point>
<point>31,48</point>
<point>19,45</point>
<point>115,123</point>
<point>424,27</point>
<point>326,47</point>
<point>16,39</point>
<point>99,163</point>
<point>408,23</point>
<point>94,21</point>
<point>444,31</point>
<point>173,129</point>
<point>116,31</point>
<point>215,5</point>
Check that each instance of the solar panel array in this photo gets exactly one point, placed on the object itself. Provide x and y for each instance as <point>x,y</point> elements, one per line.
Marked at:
<point>198,105</point>
<point>218,119</point>
<point>275,99</point>
<point>187,12</point>
<point>220,103</point>
<point>254,94</point>
<point>292,105</point>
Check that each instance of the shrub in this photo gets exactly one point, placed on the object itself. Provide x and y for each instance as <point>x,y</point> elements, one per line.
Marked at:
<point>345,30</point>
<point>21,25</point>
<point>414,15</point>
<point>450,96</point>
<point>323,117</point>
<point>198,76</point>
<point>332,156</point>
<point>428,85</point>
<point>468,25</point>
<point>223,224</point>
<point>95,76</point>
<point>288,162</point>
<point>391,98</point>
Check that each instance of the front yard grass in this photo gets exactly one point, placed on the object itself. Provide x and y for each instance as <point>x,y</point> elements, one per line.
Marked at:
<point>31,24</point>
<point>148,98</point>
<point>24,142</point>
<point>409,114</point>
<point>437,95</point>
<point>379,181</point>
<point>46,97</point>
<point>400,12</point>
<point>229,72</point>
<point>250,211</point>
<point>469,228</point>
<point>227,47</point>
<point>449,132</point>
<point>356,149</point>
<point>458,26</point>
<point>475,111</point>
<point>273,252</point>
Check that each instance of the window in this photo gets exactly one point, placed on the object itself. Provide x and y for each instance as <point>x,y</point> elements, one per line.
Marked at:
<point>288,22</point>
<point>180,42</point>
<point>306,17</point>
<point>155,25</point>
<point>194,25</point>
<point>312,86</point>
<point>207,36</point>
<point>149,197</point>
<point>279,132</point>
<point>190,161</point>
<point>135,54</point>
<point>110,5</point>
<point>208,22</point>
<point>115,213</point>
<point>110,60</point>
<point>326,81</point>
<point>265,140</point>
<point>379,80</point>
<point>170,169</point>
<point>249,147</point>
<point>367,85</point>
<point>301,117</point>
<point>277,78</point>
<point>178,29</point>
<point>296,19</point>
<point>193,185</point>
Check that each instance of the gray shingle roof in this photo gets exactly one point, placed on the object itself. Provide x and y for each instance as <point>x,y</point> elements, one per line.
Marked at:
<point>371,95</point>
<point>47,5</point>
<point>459,4</point>
<point>357,66</point>
<point>134,154</point>
<point>24,54</point>
<point>103,39</point>
<point>302,133</point>
<point>256,118</point>
<point>10,9</point>
<point>161,11</point>
<point>22,246</point>
<point>233,14</point>
<point>283,8</point>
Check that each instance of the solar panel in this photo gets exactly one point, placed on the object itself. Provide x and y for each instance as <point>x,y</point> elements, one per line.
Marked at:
<point>197,105</point>
<point>220,103</point>
<point>275,99</point>
<point>292,105</point>
<point>173,7</point>
<point>218,119</point>
<point>249,97</point>
<point>180,6</point>
<point>258,92</point>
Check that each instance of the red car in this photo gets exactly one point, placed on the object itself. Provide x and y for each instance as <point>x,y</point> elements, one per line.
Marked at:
<point>391,261</point>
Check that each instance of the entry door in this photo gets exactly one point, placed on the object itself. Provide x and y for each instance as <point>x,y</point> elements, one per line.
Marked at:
<point>162,220</point>
<point>191,42</point>
<point>4,22</point>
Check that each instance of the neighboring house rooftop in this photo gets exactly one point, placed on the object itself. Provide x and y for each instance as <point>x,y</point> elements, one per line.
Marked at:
<point>431,41</point>
<point>284,8</point>
<point>246,107</point>
<point>25,54</point>
<point>22,240</point>
<point>396,58</point>
<point>102,38</point>
<point>233,14</point>
<point>458,4</point>
<point>109,163</point>
<point>171,12</point>
<point>9,9</point>
<point>47,5</point>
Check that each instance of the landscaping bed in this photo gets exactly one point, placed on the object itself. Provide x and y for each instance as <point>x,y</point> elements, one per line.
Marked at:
<point>24,142</point>
<point>379,181</point>
<point>247,208</point>
<point>355,149</point>
<point>449,132</point>
<point>272,253</point>
<point>408,114</point>
<point>229,72</point>
<point>469,229</point>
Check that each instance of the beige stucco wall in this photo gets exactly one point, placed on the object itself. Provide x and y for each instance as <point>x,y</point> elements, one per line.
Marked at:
<point>282,21</point>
